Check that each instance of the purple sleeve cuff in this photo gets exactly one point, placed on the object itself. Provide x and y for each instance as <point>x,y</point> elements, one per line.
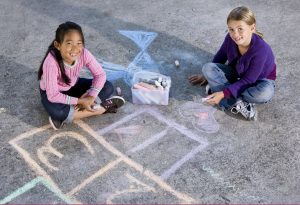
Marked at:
<point>227,93</point>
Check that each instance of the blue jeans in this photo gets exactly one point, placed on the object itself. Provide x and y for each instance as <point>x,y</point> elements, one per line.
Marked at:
<point>65,112</point>
<point>220,76</point>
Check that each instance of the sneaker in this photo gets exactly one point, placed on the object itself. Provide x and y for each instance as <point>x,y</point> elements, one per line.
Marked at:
<point>112,104</point>
<point>207,90</point>
<point>248,110</point>
<point>56,124</point>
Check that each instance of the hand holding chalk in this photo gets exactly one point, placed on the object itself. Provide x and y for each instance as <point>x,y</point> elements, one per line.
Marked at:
<point>206,98</point>
<point>96,107</point>
<point>214,98</point>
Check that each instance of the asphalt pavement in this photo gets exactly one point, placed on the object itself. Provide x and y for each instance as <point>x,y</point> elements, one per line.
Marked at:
<point>183,152</point>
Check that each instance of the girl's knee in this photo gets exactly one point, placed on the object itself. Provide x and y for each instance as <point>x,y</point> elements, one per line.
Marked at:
<point>263,97</point>
<point>266,97</point>
<point>109,88</point>
<point>107,91</point>
<point>208,69</point>
<point>60,115</point>
<point>262,93</point>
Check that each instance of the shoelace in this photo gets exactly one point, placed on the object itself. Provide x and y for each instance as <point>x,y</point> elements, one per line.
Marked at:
<point>108,104</point>
<point>243,109</point>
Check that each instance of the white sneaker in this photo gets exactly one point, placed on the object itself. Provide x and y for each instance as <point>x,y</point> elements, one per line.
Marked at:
<point>248,110</point>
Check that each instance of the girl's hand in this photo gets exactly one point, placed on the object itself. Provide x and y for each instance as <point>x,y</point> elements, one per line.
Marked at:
<point>215,98</point>
<point>197,79</point>
<point>86,102</point>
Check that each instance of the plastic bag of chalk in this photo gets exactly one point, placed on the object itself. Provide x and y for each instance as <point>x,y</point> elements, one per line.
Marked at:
<point>152,78</point>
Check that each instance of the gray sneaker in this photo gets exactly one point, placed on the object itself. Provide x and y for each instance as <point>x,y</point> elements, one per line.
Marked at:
<point>248,110</point>
<point>56,124</point>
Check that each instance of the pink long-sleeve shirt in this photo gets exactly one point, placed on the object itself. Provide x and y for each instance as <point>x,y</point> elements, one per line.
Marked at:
<point>52,82</point>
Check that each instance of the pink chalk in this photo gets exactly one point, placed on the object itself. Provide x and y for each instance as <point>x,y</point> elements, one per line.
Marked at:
<point>202,115</point>
<point>138,86</point>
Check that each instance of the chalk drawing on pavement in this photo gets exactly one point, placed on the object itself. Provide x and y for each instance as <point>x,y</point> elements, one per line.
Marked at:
<point>32,184</point>
<point>135,187</point>
<point>158,180</point>
<point>129,130</point>
<point>126,132</point>
<point>200,115</point>
<point>142,60</point>
<point>170,124</point>
<point>47,148</point>
<point>143,40</point>
<point>35,162</point>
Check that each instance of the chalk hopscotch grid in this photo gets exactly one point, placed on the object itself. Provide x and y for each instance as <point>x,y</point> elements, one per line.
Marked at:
<point>122,157</point>
<point>41,172</point>
<point>170,124</point>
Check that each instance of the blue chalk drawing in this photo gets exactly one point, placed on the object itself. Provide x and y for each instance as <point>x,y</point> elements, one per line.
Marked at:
<point>32,184</point>
<point>142,60</point>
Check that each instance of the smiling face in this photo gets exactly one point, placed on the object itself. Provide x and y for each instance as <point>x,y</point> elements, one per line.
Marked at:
<point>71,47</point>
<point>240,32</point>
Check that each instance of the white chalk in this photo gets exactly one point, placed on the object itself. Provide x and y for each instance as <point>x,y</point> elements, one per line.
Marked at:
<point>160,79</point>
<point>96,107</point>
<point>119,91</point>
<point>206,98</point>
<point>158,84</point>
<point>177,63</point>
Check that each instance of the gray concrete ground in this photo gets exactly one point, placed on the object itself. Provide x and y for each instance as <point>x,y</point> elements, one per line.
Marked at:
<point>185,152</point>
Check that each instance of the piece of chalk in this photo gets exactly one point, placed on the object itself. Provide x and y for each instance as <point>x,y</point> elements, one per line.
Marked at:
<point>119,91</point>
<point>96,107</point>
<point>177,63</point>
<point>137,86</point>
<point>152,82</point>
<point>148,86</point>
<point>205,99</point>
<point>158,84</point>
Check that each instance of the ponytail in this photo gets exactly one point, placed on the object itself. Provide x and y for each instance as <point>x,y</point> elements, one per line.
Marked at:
<point>260,34</point>
<point>56,54</point>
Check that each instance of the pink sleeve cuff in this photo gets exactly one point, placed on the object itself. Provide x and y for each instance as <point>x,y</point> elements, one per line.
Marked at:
<point>74,101</point>
<point>93,92</point>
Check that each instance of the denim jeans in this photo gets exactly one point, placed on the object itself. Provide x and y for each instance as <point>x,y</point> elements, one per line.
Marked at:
<point>220,76</point>
<point>65,112</point>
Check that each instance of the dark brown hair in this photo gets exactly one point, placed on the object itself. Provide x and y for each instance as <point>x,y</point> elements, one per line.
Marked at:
<point>61,31</point>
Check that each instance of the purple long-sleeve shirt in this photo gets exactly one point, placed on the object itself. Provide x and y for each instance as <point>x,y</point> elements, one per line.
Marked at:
<point>257,63</point>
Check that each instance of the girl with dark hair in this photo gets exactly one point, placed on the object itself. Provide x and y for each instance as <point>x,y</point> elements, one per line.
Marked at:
<point>64,95</point>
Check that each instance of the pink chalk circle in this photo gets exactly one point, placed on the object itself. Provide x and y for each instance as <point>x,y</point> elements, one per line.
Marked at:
<point>201,115</point>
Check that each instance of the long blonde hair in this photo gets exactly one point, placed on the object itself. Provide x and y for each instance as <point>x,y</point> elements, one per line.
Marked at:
<point>243,13</point>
